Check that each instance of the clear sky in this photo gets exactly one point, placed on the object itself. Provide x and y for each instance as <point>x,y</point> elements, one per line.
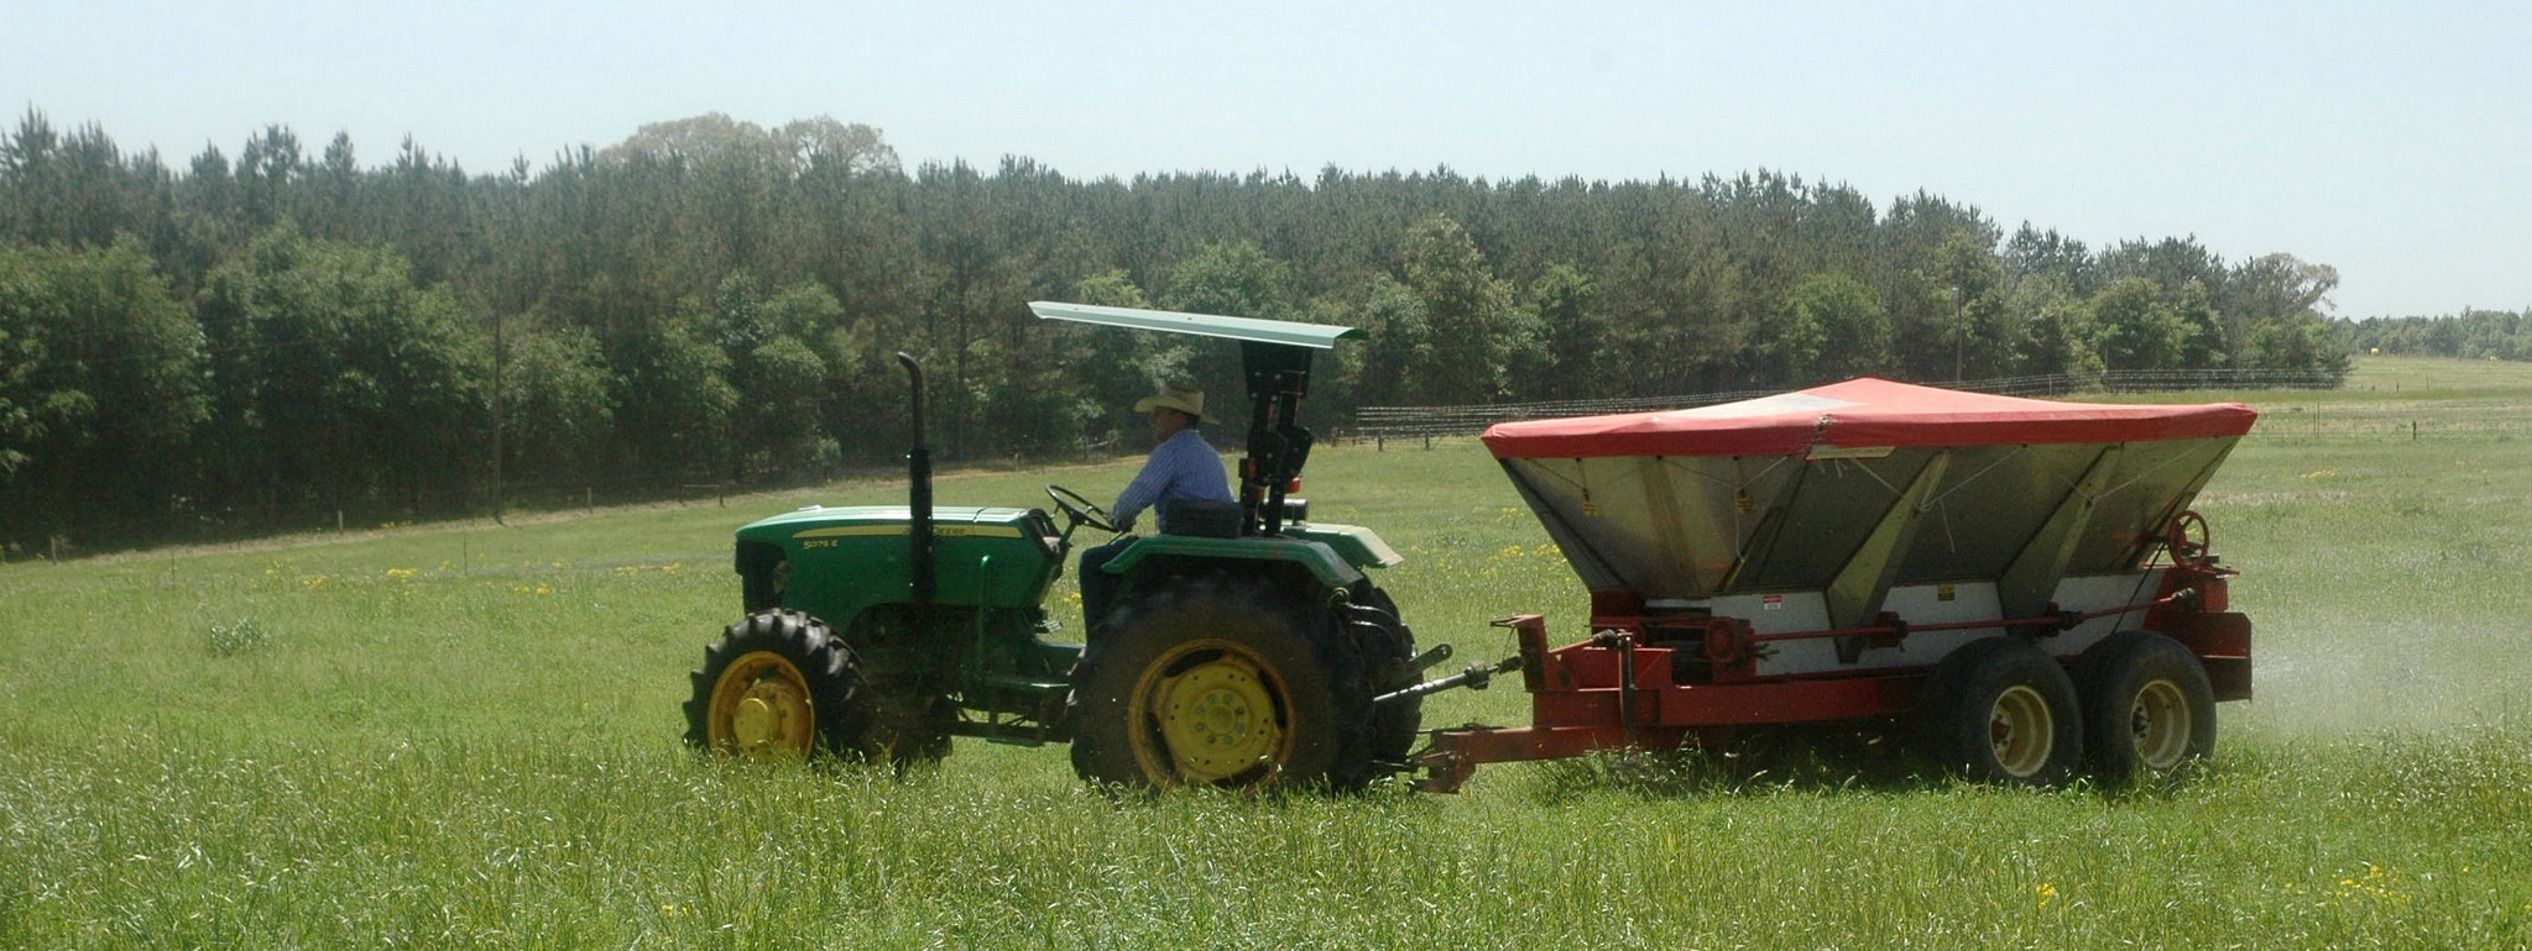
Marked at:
<point>2393,141</point>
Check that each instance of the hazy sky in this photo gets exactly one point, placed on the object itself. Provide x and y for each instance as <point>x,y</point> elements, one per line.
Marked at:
<point>2393,141</point>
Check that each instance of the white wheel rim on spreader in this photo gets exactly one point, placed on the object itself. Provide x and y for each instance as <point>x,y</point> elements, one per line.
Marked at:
<point>2023,731</point>
<point>2159,724</point>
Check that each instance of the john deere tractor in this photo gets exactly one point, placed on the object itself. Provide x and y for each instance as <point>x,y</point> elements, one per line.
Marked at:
<point>1244,648</point>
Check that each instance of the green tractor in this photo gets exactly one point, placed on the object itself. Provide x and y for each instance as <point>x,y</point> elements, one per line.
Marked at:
<point>1245,649</point>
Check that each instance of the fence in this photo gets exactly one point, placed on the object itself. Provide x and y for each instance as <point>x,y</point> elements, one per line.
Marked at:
<point>1382,423</point>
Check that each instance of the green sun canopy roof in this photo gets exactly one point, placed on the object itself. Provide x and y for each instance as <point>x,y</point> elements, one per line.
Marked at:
<point>1289,333</point>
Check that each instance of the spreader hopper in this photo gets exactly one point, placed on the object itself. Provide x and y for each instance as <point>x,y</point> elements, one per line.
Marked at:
<point>1844,492</point>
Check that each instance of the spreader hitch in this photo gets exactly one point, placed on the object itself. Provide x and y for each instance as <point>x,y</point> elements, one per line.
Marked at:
<point>1474,677</point>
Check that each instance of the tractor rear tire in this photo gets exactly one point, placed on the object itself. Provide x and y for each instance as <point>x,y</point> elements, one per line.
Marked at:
<point>778,685</point>
<point>2148,708</point>
<point>1387,647</point>
<point>2001,711</point>
<point>1220,681</point>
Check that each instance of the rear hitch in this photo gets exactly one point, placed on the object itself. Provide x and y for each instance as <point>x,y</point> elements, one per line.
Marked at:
<point>1434,655</point>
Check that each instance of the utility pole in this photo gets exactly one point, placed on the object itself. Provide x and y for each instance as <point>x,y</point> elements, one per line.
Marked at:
<point>1960,331</point>
<point>500,362</point>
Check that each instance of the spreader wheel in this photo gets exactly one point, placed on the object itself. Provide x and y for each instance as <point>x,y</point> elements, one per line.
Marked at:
<point>2148,708</point>
<point>2001,711</point>
<point>777,686</point>
<point>1217,682</point>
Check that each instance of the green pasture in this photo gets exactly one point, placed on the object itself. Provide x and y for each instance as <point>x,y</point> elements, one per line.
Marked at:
<point>467,734</point>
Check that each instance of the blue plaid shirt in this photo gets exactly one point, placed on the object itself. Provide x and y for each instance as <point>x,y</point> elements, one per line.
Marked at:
<point>1183,466</point>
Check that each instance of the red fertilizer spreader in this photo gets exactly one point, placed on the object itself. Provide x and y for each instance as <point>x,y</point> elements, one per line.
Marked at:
<point>2019,582</point>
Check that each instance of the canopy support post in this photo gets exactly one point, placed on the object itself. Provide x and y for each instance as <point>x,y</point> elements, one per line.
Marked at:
<point>1855,595</point>
<point>2029,583</point>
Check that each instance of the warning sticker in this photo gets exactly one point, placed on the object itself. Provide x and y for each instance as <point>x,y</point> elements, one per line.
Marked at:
<point>1771,602</point>
<point>1943,592</point>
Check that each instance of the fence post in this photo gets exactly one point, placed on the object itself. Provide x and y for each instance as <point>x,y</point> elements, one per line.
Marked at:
<point>588,497</point>
<point>2413,430</point>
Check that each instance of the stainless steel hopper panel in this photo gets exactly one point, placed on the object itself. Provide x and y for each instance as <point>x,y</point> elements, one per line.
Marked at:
<point>1689,528</point>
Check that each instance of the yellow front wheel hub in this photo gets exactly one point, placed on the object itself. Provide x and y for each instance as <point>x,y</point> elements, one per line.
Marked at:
<point>761,708</point>
<point>1214,711</point>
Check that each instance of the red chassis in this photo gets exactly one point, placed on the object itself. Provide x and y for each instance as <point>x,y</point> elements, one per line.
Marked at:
<point>1619,689</point>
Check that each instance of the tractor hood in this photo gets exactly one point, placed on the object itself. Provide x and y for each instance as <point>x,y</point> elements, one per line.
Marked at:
<point>883,520</point>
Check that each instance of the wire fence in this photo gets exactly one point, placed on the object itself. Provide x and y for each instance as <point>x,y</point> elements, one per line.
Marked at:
<point>1382,423</point>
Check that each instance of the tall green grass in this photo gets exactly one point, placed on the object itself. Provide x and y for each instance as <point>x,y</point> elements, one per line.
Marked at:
<point>467,735</point>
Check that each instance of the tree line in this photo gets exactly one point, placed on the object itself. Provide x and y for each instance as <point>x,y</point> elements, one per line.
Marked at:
<point>2474,333</point>
<point>253,341</point>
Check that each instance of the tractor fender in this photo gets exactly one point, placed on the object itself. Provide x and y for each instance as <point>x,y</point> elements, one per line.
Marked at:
<point>1321,560</point>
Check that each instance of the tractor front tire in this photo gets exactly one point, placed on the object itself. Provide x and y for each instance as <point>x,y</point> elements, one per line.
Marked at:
<point>2148,708</point>
<point>778,685</point>
<point>2001,711</point>
<point>1224,682</point>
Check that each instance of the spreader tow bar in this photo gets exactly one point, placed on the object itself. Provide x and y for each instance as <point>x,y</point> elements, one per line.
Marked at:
<point>1475,676</point>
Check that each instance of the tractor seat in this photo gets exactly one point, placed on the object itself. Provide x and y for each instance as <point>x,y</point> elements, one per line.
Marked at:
<point>1200,518</point>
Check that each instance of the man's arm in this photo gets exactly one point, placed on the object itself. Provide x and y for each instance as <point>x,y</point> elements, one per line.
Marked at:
<point>1142,492</point>
<point>1177,461</point>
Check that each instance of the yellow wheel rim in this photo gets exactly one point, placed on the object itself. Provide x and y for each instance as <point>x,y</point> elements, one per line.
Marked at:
<point>2023,731</point>
<point>1207,712</point>
<point>2159,724</point>
<point>761,709</point>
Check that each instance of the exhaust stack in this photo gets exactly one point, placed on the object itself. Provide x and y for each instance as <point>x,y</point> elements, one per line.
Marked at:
<point>919,477</point>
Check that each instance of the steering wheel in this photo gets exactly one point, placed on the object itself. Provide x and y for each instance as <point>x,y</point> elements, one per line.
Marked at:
<point>1079,511</point>
<point>2188,551</point>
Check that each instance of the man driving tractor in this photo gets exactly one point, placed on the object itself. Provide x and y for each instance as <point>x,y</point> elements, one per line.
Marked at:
<point>1182,467</point>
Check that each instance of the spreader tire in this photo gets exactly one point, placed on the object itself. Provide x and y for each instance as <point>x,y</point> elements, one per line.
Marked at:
<point>777,685</point>
<point>2001,711</point>
<point>2148,708</point>
<point>1218,681</point>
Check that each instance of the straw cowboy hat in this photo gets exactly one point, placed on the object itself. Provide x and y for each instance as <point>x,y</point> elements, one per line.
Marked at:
<point>1178,396</point>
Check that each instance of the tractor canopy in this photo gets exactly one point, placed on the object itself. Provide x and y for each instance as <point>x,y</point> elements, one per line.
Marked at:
<point>1243,329</point>
<point>1274,362</point>
<point>1863,484</point>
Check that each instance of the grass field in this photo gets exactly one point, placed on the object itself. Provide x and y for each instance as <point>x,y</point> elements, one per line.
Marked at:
<point>468,735</point>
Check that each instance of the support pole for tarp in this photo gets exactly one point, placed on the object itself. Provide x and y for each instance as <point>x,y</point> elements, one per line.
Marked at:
<point>2029,583</point>
<point>1855,595</point>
